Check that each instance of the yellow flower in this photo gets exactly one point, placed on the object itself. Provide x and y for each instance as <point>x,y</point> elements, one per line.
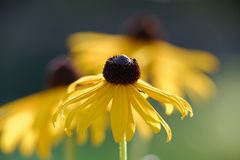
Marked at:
<point>27,121</point>
<point>168,67</point>
<point>117,91</point>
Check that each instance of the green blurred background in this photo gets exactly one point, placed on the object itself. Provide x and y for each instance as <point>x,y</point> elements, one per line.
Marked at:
<point>34,32</point>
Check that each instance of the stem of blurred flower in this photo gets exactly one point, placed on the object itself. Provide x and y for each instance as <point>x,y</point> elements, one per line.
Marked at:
<point>123,148</point>
<point>69,149</point>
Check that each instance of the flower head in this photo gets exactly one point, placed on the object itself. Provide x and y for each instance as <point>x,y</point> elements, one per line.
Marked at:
<point>144,26</point>
<point>119,92</point>
<point>26,122</point>
<point>167,66</point>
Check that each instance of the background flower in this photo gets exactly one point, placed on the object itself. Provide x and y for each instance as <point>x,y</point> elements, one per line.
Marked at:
<point>26,122</point>
<point>174,69</point>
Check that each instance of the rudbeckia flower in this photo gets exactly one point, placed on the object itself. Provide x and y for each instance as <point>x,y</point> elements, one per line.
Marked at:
<point>119,92</point>
<point>26,122</point>
<point>166,66</point>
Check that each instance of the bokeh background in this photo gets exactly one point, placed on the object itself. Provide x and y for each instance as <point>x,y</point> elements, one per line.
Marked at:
<point>34,32</point>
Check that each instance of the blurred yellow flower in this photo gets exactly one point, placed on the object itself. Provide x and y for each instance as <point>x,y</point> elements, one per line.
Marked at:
<point>168,67</point>
<point>27,121</point>
<point>117,91</point>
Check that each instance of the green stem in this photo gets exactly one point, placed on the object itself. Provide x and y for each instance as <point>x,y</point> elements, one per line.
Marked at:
<point>123,148</point>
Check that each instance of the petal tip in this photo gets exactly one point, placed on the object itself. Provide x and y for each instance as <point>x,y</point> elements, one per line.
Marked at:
<point>68,132</point>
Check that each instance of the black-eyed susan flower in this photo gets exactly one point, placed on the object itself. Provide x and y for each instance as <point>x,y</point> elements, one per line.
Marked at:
<point>119,92</point>
<point>168,67</point>
<point>26,122</point>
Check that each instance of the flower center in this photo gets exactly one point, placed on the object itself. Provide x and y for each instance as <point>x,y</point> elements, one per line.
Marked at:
<point>146,27</point>
<point>60,72</point>
<point>121,70</point>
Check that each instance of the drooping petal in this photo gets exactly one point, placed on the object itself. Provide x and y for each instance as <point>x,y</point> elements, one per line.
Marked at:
<point>119,113</point>
<point>81,94</point>
<point>82,137</point>
<point>97,108</point>
<point>69,99</point>
<point>198,59</point>
<point>84,82</point>
<point>203,87</point>
<point>144,109</point>
<point>28,143</point>
<point>164,97</point>
<point>23,120</point>
<point>44,143</point>
<point>169,108</point>
<point>98,128</point>
<point>149,114</point>
<point>142,127</point>
<point>14,129</point>
<point>130,130</point>
<point>81,107</point>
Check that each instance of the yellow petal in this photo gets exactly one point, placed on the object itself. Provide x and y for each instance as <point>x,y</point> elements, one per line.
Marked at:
<point>44,143</point>
<point>69,99</point>
<point>164,97</point>
<point>98,129</point>
<point>130,130</point>
<point>82,137</point>
<point>14,129</point>
<point>97,108</point>
<point>202,87</point>
<point>80,94</point>
<point>148,113</point>
<point>81,107</point>
<point>169,108</point>
<point>144,130</point>
<point>198,59</point>
<point>28,143</point>
<point>84,37</point>
<point>119,113</point>
<point>85,49</point>
<point>86,81</point>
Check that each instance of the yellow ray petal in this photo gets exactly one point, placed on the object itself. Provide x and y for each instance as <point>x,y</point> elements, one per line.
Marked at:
<point>80,108</point>
<point>78,95</point>
<point>14,129</point>
<point>119,113</point>
<point>82,137</point>
<point>85,49</point>
<point>84,37</point>
<point>96,41</point>
<point>169,108</point>
<point>98,129</point>
<point>148,113</point>
<point>202,87</point>
<point>92,112</point>
<point>144,109</point>
<point>87,80</point>
<point>164,97</point>
<point>44,143</point>
<point>69,99</point>
<point>130,130</point>
<point>144,130</point>
<point>28,143</point>
<point>198,59</point>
